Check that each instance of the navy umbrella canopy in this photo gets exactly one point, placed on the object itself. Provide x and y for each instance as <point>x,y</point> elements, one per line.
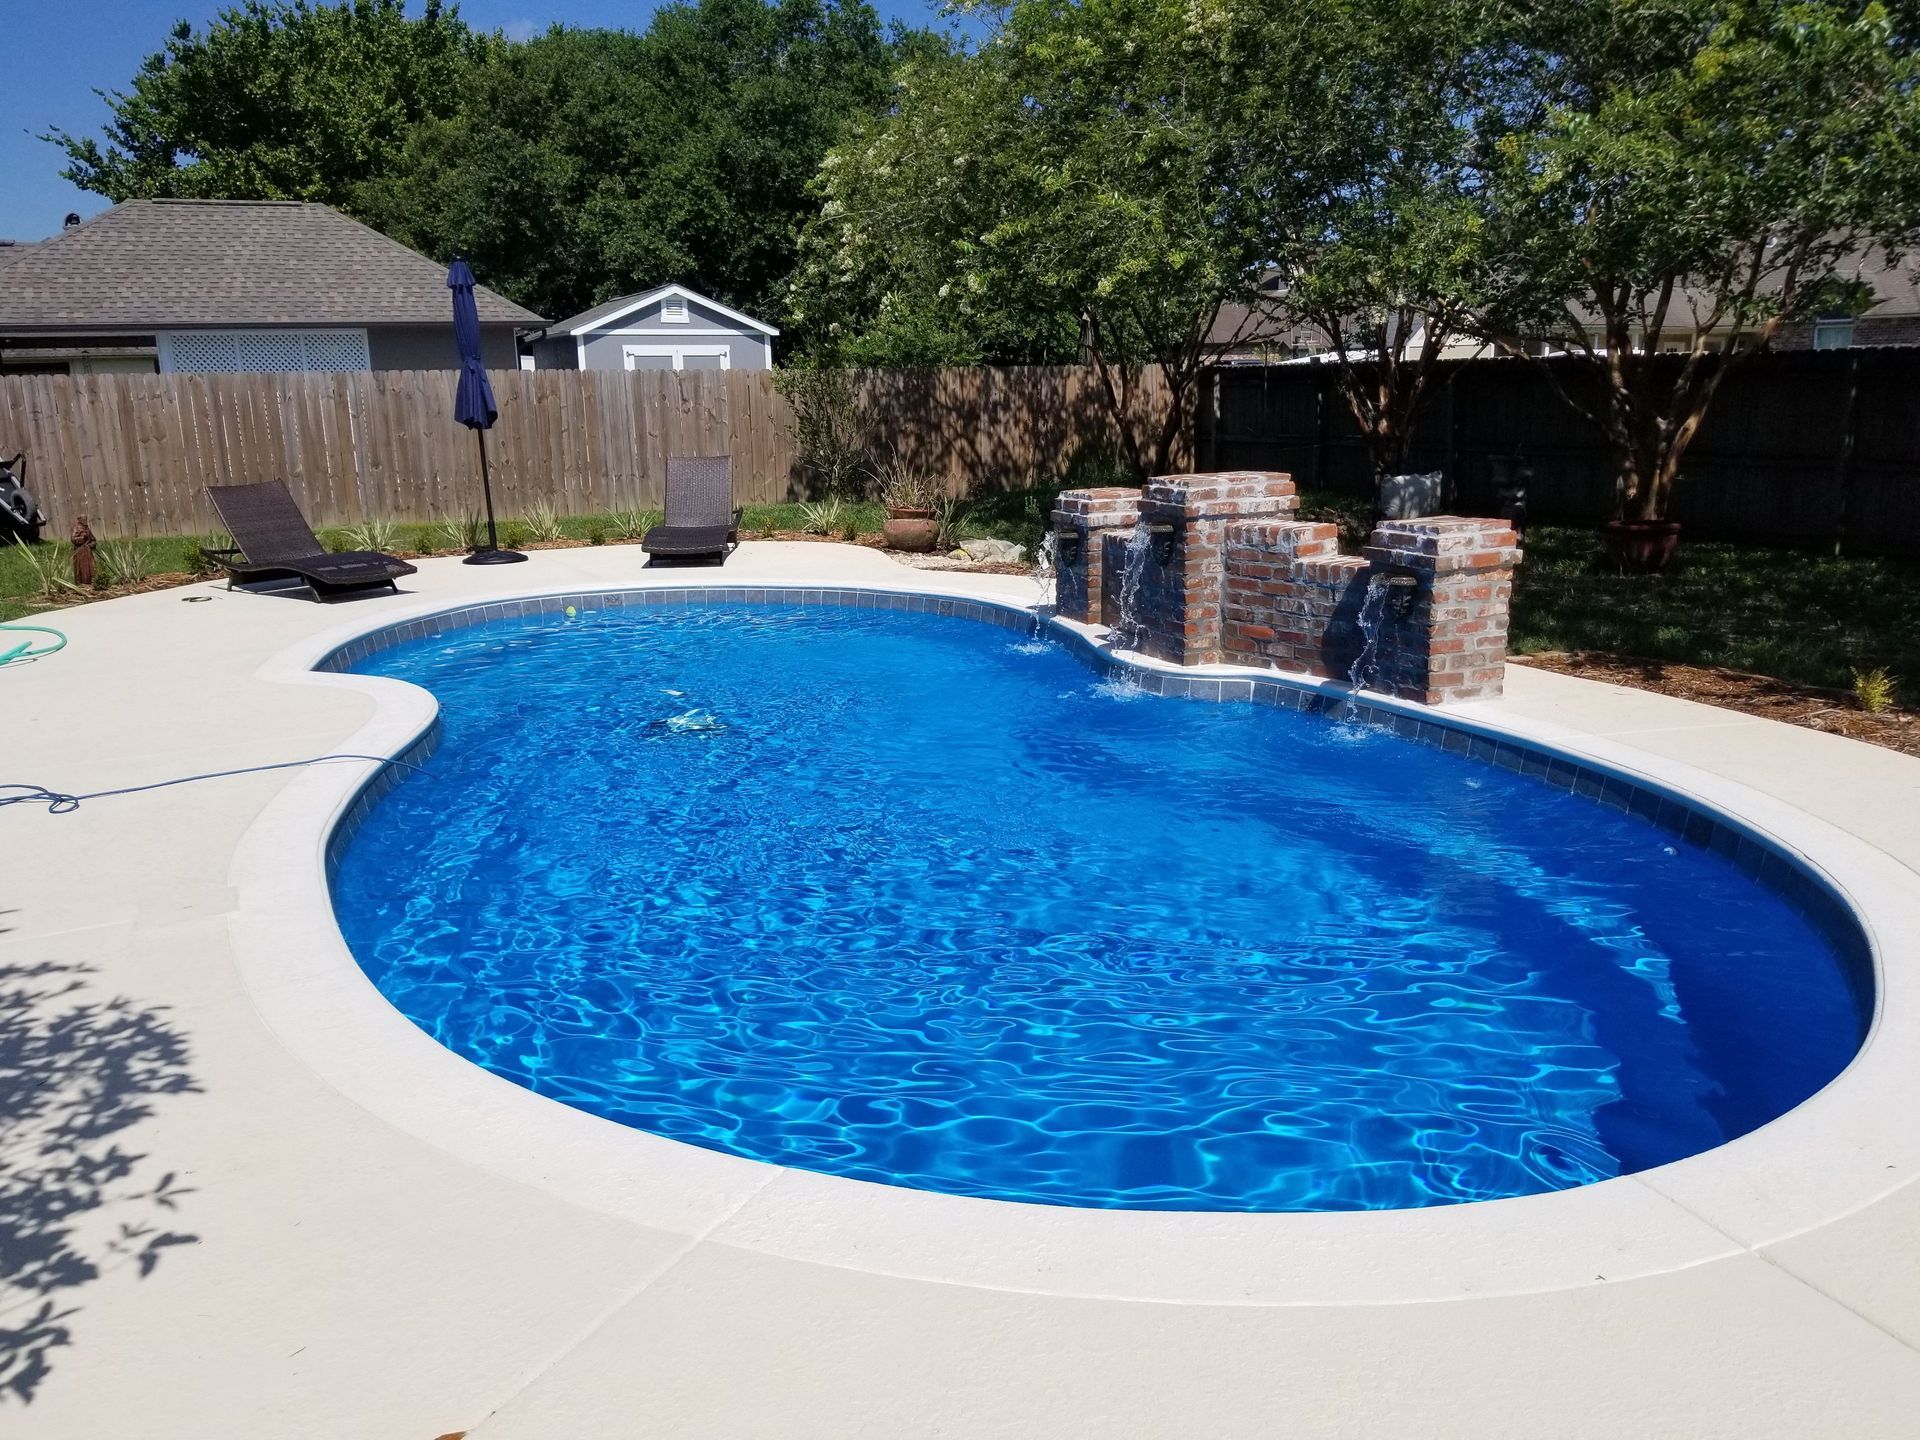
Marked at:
<point>473,404</point>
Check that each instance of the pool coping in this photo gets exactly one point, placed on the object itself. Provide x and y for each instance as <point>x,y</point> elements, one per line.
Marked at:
<point>1836,1153</point>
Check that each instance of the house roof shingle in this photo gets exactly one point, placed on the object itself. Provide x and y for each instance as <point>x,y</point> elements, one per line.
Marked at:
<point>148,264</point>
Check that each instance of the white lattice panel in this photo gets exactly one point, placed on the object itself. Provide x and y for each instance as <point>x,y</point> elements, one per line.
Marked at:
<point>199,351</point>
<point>270,350</point>
<point>265,351</point>
<point>338,350</point>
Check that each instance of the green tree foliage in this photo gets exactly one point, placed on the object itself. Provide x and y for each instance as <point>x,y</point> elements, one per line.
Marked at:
<point>1079,182</point>
<point>577,166</point>
<point>1695,166</point>
<point>280,101</point>
<point>1387,262</point>
<point>589,163</point>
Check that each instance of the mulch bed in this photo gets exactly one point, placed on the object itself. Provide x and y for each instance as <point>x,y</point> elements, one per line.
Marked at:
<point>1835,712</point>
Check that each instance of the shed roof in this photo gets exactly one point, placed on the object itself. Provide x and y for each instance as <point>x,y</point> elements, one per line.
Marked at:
<point>610,310</point>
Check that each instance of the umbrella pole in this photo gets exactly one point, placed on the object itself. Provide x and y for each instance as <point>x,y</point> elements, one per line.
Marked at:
<point>486,489</point>
<point>493,554</point>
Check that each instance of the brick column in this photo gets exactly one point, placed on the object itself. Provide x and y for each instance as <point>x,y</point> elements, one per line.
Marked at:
<point>1181,598</point>
<point>1291,599</point>
<point>1089,516</point>
<point>1452,645</point>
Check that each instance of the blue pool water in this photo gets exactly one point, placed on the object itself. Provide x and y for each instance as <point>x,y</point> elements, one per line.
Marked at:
<point>909,899</point>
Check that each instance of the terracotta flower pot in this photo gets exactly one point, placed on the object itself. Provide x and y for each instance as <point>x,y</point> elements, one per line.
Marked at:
<point>1642,547</point>
<point>910,529</point>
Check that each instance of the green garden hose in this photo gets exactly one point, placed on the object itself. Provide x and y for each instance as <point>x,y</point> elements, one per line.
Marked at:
<point>16,652</point>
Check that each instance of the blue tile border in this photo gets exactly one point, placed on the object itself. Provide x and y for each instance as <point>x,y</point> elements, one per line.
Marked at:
<point>373,789</point>
<point>1686,819</point>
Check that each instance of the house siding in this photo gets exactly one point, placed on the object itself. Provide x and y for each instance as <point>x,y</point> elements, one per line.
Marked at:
<point>556,352</point>
<point>430,347</point>
<point>608,351</point>
<point>1867,330</point>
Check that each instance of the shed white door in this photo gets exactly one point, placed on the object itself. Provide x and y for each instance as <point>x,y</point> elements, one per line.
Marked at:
<point>677,357</point>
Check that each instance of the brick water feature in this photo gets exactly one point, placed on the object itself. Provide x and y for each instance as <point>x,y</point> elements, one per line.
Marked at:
<point>1226,572</point>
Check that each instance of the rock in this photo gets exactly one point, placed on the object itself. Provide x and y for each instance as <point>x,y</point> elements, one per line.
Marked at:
<point>992,552</point>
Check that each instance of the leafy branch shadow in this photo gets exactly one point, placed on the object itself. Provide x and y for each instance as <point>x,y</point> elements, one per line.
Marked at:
<point>76,1072</point>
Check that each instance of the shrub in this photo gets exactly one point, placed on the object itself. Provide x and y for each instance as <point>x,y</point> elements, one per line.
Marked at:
<point>949,516</point>
<point>1875,689</point>
<point>49,565</point>
<point>633,524</point>
<point>124,562</point>
<point>827,517</point>
<point>828,432</point>
<point>906,487</point>
<point>194,553</point>
<point>459,532</point>
<point>543,523</point>
<point>376,535</point>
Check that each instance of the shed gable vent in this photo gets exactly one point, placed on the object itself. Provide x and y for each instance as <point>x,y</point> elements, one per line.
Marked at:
<point>673,310</point>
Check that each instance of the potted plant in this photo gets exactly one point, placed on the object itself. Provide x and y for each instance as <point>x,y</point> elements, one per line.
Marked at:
<point>1642,539</point>
<point>1642,536</point>
<point>910,496</point>
<point>1642,547</point>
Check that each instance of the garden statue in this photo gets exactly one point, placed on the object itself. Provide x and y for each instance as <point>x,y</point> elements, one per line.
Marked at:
<point>83,543</point>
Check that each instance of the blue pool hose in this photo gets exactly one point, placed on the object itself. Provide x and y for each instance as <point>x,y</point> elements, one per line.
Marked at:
<point>12,652</point>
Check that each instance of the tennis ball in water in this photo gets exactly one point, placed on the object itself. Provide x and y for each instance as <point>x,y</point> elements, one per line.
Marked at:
<point>571,612</point>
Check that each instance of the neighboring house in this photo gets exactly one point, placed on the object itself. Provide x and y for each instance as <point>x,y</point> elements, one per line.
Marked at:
<point>1265,334</point>
<point>669,328</point>
<point>233,285</point>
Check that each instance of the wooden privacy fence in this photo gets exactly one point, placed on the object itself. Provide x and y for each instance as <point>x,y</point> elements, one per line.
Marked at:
<point>1802,447</point>
<point>134,452</point>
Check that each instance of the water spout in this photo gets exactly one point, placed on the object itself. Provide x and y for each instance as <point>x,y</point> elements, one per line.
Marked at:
<point>1128,626</point>
<point>1046,575</point>
<point>1373,609</point>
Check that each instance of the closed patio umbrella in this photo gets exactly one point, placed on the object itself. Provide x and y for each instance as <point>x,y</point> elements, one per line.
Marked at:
<point>473,404</point>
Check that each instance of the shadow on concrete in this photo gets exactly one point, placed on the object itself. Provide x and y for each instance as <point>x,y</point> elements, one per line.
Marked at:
<point>76,1073</point>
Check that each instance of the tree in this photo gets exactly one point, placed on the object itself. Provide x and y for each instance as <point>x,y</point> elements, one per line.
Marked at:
<point>1082,175</point>
<point>886,276</point>
<point>829,434</point>
<point>280,101</point>
<point>1388,264</point>
<point>589,163</point>
<point>1694,174</point>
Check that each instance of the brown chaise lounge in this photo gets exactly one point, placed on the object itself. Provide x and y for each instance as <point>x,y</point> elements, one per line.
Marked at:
<point>702,521</point>
<point>272,541</point>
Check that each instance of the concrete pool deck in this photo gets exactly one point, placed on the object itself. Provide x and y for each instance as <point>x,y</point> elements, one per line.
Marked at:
<point>387,1242</point>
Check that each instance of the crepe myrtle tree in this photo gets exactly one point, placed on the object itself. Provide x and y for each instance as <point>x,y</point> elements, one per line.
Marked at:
<point>1390,292</point>
<point>1388,263</point>
<point>1075,187</point>
<point>1693,174</point>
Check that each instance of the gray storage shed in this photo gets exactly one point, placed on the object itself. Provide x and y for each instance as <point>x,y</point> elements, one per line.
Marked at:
<point>671,328</point>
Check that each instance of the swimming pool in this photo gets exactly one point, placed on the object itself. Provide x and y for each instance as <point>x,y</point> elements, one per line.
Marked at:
<point>904,898</point>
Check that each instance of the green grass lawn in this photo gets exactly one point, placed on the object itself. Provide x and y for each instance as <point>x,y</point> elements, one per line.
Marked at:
<point>1795,614</point>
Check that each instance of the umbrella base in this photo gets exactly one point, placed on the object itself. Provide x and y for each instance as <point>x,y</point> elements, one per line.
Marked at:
<point>494,557</point>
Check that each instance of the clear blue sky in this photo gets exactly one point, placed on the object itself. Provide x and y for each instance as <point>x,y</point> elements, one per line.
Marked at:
<point>58,52</point>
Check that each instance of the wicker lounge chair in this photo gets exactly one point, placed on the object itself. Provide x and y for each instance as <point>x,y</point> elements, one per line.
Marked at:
<point>272,541</point>
<point>702,521</point>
